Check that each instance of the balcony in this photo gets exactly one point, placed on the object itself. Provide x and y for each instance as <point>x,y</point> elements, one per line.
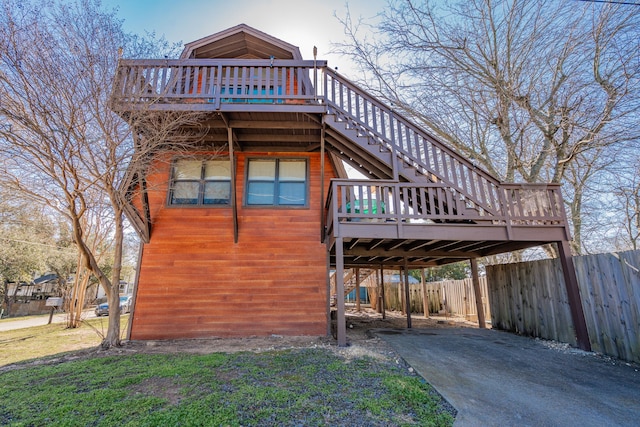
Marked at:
<point>217,84</point>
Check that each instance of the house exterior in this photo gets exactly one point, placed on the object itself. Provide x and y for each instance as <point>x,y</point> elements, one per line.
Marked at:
<point>241,233</point>
<point>24,299</point>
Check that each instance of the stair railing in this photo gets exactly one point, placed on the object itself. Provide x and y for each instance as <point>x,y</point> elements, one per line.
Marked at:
<point>413,146</point>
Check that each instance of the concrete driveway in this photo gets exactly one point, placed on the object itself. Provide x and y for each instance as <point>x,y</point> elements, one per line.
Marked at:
<point>494,378</point>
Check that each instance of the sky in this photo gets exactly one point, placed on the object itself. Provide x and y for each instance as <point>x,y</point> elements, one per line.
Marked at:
<point>303,23</point>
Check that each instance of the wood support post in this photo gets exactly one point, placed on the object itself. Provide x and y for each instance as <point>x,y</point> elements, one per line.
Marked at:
<point>467,299</point>
<point>573,295</point>
<point>341,322</point>
<point>328,289</point>
<point>407,297</point>
<point>358,289</point>
<point>384,314</point>
<point>378,292</point>
<point>476,290</point>
<point>401,291</point>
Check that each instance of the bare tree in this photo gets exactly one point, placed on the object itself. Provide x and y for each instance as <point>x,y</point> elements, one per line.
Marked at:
<point>98,228</point>
<point>61,144</point>
<point>524,87</point>
<point>628,193</point>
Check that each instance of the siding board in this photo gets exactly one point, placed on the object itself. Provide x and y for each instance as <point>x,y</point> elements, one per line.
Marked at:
<point>196,282</point>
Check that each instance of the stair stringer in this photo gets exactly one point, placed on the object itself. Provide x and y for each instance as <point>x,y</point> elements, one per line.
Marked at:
<point>362,149</point>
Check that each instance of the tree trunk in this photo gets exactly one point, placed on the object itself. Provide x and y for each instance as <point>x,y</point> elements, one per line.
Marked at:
<point>113,332</point>
<point>5,293</point>
<point>74,320</point>
<point>71,318</point>
<point>79,303</point>
<point>91,264</point>
<point>112,339</point>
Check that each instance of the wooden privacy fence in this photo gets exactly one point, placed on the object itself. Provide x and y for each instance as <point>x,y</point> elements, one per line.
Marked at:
<point>530,298</point>
<point>455,297</point>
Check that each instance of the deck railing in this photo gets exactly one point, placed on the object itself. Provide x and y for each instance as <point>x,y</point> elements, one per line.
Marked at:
<point>533,204</point>
<point>181,84</point>
<point>382,201</point>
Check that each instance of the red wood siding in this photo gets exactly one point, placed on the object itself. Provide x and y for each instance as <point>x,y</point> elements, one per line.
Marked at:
<point>196,282</point>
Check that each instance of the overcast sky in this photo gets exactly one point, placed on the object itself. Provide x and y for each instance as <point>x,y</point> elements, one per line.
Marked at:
<point>303,23</point>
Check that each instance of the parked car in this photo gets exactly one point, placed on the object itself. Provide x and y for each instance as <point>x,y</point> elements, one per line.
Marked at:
<point>125,307</point>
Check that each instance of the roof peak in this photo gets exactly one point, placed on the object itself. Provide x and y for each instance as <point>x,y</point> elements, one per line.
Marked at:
<point>238,41</point>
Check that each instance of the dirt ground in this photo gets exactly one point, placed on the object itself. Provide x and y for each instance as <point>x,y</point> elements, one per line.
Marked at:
<point>360,340</point>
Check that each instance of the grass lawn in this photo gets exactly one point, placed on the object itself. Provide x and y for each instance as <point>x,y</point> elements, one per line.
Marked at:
<point>46,340</point>
<point>297,387</point>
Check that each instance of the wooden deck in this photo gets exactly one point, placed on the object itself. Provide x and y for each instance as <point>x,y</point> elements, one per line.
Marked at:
<point>382,222</point>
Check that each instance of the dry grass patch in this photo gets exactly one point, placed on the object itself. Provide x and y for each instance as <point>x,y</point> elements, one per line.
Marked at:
<point>42,341</point>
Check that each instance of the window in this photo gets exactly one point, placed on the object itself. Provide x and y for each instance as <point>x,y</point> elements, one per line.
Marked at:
<point>277,182</point>
<point>201,182</point>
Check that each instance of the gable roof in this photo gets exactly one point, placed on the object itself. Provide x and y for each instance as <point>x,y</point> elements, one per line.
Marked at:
<point>45,279</point>
<point>241,41</point>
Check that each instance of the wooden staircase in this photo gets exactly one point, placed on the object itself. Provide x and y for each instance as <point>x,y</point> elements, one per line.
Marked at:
<point>373,135</point>
<point>346,131</point>
<point>350,279</point>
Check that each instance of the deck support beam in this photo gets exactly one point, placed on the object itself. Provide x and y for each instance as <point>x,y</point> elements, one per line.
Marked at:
<point>147,211</point>
<point>341,322</point>
<point>475,277</point>
<point>145,227</point>
<point>573,295</point>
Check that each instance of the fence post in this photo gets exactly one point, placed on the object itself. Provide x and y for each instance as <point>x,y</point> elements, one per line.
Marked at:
<point>383,305</point>
<point>357,289</point>
<point>467,300</point>
<point>406,292</point>
<point>425,297</point>
<point>478,294</point>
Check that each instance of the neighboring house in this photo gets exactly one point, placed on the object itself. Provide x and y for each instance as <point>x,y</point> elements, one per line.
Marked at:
<point>30,298</point>
<point>40,289</point>
<point>397,279</point>
<point>240,236</point>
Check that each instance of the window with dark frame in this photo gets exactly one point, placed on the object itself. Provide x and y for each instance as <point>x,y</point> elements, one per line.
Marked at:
<point>276,182</point>
<point>200,182</point>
